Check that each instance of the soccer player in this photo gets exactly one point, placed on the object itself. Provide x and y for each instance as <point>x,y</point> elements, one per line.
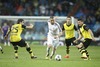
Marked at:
<point>16,40</point>
<point>5,29</point>
<point>52,37</point>
<point>88,36</point>
<point>69,28</point>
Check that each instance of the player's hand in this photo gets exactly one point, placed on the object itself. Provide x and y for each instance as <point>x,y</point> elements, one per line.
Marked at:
<point>5,37</point>
<point>55,37</point>
<point>93,39</point>
<point>75,41</point>
<point>79,46</point>
<point>31,25</point>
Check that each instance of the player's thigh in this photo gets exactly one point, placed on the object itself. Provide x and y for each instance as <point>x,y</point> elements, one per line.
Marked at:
<point>22,43</point>
<point>67,42</point>
<point>49,40</point>
<point>14,43</point>
<point>86,43</point>
<point>72,41</point>
<point>56,42</point>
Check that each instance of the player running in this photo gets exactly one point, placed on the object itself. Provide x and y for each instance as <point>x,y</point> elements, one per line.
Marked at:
<point>69,28</point>
<point>52,37</point>
<point>88,36</point>
<point>16,40</point>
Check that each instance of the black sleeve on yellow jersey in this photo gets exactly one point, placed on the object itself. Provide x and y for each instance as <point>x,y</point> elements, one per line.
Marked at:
<point>79,27</point>
<point>75,27</point>
<point>85,28</point>
<point>23,26</point>
<point>63,28</point>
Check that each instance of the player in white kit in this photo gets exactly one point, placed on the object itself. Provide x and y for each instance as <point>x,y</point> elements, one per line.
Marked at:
<point>53,36</point>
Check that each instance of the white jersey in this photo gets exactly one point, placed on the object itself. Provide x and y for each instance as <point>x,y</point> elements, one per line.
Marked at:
<point>54,29</point>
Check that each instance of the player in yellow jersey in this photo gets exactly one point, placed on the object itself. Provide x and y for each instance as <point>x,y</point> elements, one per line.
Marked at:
<point>69,28</point>
<point>88,36</point>
<point>16,40</point>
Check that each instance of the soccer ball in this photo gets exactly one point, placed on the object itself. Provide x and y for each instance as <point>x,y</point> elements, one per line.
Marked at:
<point>58,57</point>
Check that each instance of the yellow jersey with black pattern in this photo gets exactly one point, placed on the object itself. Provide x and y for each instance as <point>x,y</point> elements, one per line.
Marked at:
<point>85,33</point>
<point>15,34</point>
<point>69,30</point>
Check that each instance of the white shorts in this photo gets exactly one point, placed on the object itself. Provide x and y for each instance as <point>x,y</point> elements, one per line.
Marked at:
<point>52,41</point>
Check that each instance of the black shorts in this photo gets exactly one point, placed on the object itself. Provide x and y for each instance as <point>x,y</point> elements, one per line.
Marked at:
<point>69,41</point>
<point>21,43</point>
<point>87,42</point>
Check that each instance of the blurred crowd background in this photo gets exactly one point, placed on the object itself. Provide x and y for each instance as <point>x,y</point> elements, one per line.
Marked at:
<point>89,10</point>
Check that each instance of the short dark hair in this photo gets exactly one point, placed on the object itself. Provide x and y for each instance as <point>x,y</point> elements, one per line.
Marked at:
<point>68,16</point>
<point>80,20</point>
<point>51,17</point>
<point>19,20</point>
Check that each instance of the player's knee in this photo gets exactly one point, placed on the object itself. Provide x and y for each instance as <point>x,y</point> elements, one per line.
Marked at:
<point>67,47</point>
<point>75,43</point>
<point>15,48</point>
<point>28,49</point>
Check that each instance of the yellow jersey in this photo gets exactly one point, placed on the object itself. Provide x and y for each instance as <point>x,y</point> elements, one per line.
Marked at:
<point>15,33</point>
<point>85,33</point>
<point>69,30</point>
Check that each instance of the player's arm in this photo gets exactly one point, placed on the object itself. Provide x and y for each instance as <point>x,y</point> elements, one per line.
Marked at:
<point>79,34</point>
<point>92,35</point>
<point>29,27</point>
<point>87,29</point>
<point>62,31</point>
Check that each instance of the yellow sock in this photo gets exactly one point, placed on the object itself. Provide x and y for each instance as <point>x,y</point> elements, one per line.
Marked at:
<point>84,55</point>
<point>16,54</point>
<point>31,53</point>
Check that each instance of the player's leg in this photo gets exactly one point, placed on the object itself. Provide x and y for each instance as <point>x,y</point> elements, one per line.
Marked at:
<point>54,47</point>
<point>86,44</point>
<point>22,43</point>
<point>82,50</point>
<point>67,52</point>
<point>48,51</point>
<point>16,51</point>
<point>1,49</point>
<point>49,45</point>
<point>53,52</point>
<point>28,48</point>
<point>68,43</point>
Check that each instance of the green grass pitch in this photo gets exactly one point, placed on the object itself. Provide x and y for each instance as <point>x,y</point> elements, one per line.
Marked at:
<point>7,59</point>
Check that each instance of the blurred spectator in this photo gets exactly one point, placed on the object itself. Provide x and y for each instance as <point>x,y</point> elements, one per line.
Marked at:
<point>89,10</point>
<point>5,29</point>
